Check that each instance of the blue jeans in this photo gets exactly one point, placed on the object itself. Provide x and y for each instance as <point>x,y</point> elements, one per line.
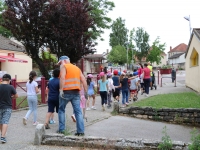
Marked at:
<point>32,104</point>
<point>74,98</point>
<point>124,96</point>
<point>146,85</point>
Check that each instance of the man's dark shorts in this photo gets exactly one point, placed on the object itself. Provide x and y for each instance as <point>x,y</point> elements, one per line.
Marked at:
<point>52,104</point>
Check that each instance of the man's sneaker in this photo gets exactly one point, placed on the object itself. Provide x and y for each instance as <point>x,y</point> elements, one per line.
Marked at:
<point>88,108</point>
<point>3,140</point>
<point>52,121</point>
<point>61,132</point>
<point>93,107</point>
<point>24,121</point>
<point>73,118</point>
<point>35,123</point>
<point>79,134</point>
<point>147,95</point>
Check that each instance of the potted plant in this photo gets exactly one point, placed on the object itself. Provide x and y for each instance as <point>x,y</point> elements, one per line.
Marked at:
<point>165,69</point>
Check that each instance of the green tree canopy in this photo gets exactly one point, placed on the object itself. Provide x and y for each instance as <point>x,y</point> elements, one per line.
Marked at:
<point>99,11</point>
<point>119,35</point>
<point>117,55</point>
<point>155,53</point>
<point>141,39</point>
<point>3,31</point>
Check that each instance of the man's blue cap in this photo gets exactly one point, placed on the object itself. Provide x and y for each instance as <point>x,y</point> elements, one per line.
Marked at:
<point>63,58</point>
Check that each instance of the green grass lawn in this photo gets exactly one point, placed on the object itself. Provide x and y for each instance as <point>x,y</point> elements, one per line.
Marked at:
<point>175,100</point>
<point>25,102</point>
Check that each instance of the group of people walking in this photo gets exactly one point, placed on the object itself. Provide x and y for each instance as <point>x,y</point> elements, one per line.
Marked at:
<point>68,84</point>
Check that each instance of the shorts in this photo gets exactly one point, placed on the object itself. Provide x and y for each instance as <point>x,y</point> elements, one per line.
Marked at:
<point>116,93</point>
<point>83,102</point>
<point>5,115</point>
<point>151,79</point>
<point>133,91</point>
<point>52,104</point>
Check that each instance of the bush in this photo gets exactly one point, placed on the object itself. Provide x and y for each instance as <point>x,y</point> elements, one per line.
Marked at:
<point>166,143</point>
<point>166,67</point>
<point>195,140</point>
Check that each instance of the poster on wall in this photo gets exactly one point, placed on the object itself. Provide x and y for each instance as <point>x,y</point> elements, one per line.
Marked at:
<point>12,55</point>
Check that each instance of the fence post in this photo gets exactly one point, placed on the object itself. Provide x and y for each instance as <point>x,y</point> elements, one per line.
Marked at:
<point>43,90</point>
<point>14,100</point>
<point>161,82</point>
<point>158,76</point>
<point>175,81</point>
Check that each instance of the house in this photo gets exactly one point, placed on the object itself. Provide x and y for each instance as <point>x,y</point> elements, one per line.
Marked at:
<point>92,63</point>
<point>163,60</point>
<point>176,56</point>
<point>192,66</point>
<point>13,60</point>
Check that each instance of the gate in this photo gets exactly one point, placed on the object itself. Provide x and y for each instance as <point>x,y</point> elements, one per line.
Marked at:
<point>16,104</point>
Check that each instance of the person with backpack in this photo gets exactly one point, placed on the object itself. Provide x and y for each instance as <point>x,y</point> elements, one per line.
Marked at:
<point>110,88</point>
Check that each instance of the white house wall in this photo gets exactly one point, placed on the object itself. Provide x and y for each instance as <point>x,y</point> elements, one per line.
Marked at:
<point>22,70</point>
<point>192,78</point>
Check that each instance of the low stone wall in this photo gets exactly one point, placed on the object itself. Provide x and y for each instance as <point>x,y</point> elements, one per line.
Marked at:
<point>180,116</point>
<point>105,143</point>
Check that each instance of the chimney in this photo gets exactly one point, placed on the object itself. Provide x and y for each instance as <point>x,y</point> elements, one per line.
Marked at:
<point>170,48</point>
<point>107,51</point>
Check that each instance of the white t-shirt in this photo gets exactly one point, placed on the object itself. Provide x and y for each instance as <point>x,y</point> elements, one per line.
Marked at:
<point>110,84</point>
<point>30,87</point>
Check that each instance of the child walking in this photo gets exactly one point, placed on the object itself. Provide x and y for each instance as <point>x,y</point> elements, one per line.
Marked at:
<point>83,97</point>
<point>90,92</point>
<point>53,96</point>
<point>110,88</point>
<point>32,90</point>
<point>103,88</point>
<point>134,88</point>
<point>7,92</point>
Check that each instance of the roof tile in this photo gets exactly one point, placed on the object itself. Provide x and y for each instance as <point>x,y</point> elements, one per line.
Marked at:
<point>7,44</point>
<point>180,48</point>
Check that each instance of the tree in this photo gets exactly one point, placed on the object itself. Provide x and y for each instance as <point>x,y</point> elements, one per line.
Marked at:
<point>3,31</point>
<point>117,55</point>
<point>67,28</point>
<point>119,35</point>
<point>98,13</point>
<point>62,25</point>
<point>141,39</point>
<point>156,51</point>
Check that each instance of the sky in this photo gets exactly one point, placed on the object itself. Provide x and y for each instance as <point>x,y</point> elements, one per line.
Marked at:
<point>163,18</point>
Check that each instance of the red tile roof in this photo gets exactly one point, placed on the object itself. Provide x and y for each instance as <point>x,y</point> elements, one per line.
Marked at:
<point>180,48</point>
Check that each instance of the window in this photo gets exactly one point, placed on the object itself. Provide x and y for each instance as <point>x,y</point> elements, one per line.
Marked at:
<point>194,58</point>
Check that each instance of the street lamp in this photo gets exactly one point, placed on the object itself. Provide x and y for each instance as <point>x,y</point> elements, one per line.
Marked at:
<point>188,19</point>
<point>127,44</point>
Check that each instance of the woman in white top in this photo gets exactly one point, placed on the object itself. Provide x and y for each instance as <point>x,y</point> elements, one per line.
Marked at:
<point>32,90</point>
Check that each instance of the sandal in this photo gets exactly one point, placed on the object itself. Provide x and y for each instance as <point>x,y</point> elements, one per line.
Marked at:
<point>47,126</point>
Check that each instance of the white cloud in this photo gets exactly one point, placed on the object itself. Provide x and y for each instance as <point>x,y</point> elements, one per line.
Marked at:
<point>164,18</point>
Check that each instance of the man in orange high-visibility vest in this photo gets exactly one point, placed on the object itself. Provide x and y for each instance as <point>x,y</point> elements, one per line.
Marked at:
<point>71,79</point>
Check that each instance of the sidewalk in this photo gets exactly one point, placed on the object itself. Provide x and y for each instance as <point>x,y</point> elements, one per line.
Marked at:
<point>99,124</point>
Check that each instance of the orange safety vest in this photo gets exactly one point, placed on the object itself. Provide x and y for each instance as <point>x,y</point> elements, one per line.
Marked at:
<point>72,78</point>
